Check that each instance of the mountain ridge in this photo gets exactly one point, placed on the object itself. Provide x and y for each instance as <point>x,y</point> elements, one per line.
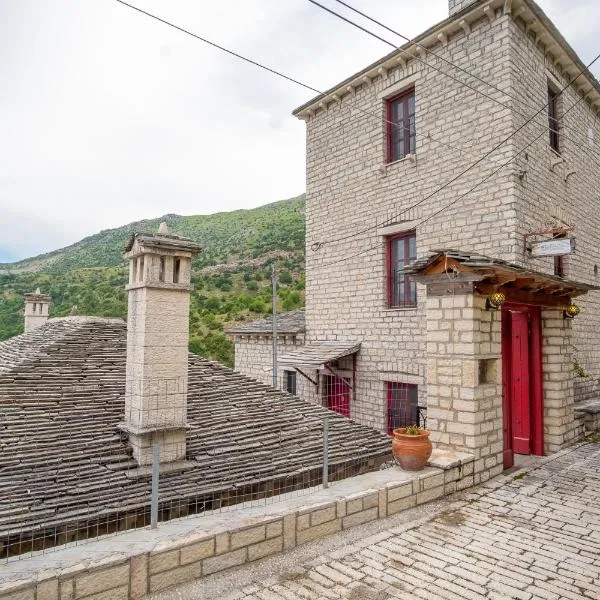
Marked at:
<point>178,224</point>
<point>231,275</point>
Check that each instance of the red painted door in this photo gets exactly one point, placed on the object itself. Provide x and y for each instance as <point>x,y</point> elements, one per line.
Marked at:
<point>337,395</point>
<point>523,404</point>
<point>520,384</point>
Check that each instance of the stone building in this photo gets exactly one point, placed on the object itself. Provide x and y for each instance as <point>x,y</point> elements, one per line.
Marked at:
<point>480,138</point>
<point>82,400</point>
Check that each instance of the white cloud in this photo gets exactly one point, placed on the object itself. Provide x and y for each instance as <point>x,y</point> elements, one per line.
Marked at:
<point>110,117</point>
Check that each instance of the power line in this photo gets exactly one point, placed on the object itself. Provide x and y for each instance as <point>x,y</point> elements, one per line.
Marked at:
<point>441,71</point>
<point>394,217</point>
<point>269,69</point>
<point>222,48</point>
<point>438,56</point>
<point>297,82</point>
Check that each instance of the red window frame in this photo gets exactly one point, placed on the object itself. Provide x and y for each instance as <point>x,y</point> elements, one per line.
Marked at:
<point>398,144</point>
<point>402,405</point>
<point>401,291</point>
<point>553,125</point>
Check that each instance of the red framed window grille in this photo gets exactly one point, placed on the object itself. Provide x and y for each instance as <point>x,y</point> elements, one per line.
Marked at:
<point>401,251</point>
<point>403,406</point>
<point>400,125</point>
<point>336,393</point>
<point>553,119</point>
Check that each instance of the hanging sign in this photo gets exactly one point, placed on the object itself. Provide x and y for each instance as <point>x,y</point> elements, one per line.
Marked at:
<point>555,247</point>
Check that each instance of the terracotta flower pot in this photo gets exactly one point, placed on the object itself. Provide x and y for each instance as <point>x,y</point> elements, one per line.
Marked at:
<point>411,452</point>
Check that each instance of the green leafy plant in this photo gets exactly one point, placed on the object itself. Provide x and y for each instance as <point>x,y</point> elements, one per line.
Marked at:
<point>413,430</point>
<point>92,275</point>
<point>579,370</point>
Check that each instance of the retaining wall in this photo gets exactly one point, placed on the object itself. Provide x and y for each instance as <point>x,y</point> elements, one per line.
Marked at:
<point>152,560</point>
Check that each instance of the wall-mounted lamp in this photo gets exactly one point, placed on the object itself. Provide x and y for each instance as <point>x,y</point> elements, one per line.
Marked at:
<point>495,300</point>
<point>571,311</point>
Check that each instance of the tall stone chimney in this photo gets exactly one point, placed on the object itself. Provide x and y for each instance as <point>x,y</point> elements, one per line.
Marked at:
<point>157,343</point>
<point>36,310</point>
<point>455,6</point>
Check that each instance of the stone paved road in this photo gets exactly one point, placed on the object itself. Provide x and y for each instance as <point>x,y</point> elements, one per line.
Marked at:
<point>536,537</point>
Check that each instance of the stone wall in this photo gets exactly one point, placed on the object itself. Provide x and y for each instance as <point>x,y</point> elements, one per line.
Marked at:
<point>464,403</point>
<point>559,190</point>
<point>243,539</point>
<point>254,358</point>
<point>351,189</point>
<point>560,427</point>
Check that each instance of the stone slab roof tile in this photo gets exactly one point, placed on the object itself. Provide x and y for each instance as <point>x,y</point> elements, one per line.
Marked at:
<point>63,458</point>
<point>288,322</point>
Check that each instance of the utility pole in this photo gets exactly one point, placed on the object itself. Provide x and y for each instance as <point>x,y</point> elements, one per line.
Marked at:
<point>274,311</point>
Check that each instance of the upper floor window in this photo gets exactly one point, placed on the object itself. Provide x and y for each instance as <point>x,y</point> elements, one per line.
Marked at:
<point>401,251</point>
<point>289,381</point>
<point>553,117</point>
<point>400,115</point>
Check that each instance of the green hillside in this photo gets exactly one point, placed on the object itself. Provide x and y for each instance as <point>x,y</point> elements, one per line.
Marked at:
<point>231,275</point>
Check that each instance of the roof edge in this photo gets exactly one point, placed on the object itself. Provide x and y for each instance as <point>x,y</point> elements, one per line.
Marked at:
<point>483,8</point>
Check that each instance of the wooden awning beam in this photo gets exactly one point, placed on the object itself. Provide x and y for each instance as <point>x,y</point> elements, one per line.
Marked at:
<point>315,383</point>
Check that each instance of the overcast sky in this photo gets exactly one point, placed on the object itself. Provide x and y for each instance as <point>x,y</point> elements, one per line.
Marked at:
<point>107,116</point>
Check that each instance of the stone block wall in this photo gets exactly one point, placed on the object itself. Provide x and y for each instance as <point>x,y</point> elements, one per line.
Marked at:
<point>198,554</point>
<point>254,358</point>
<point>560,426</point>
<point>352,190</point>
<point>559,190</point>
<point>464,402</point>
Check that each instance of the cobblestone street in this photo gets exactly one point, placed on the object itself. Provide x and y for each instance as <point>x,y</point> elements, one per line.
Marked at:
<point>534,535</point>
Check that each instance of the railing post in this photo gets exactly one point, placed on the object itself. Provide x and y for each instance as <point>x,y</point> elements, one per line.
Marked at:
<point>155,476</point>
<point>326,451</point>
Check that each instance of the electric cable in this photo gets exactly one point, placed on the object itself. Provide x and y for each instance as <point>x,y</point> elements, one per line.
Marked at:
<point>318,245</point>
<point>446,74</point>
<point>453,202</point>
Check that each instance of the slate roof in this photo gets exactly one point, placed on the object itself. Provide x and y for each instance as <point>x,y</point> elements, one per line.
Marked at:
<point>165,240</point>
<point>63,459</point>
<point>288,322</point>
<point>317,354</point>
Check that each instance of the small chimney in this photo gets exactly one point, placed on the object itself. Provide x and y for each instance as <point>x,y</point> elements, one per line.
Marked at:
<point>157,343</point>
<point>455,6</point>
<point>36,310</point>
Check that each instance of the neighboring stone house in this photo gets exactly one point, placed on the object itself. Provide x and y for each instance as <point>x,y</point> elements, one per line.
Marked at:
<point>413,154</point>
<point>83,399</point>
<point>254,348</point>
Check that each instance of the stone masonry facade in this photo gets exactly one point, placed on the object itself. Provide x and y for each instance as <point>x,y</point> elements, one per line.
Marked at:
<point>355,199</point>
<point>465,413</point>
<point>254,358</point>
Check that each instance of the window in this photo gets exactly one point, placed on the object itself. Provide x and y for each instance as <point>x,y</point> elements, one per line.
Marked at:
<point>161,269</point>
<point>402,403</point>
<point>553,119</point>
<point>176,269</point>
<point>289,380</point>
<point>401,251</point>
<point>141,269</point>
<point>400,115</point>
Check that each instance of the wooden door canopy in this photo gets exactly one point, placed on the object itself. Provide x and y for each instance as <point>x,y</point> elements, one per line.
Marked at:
<point>487,275</point>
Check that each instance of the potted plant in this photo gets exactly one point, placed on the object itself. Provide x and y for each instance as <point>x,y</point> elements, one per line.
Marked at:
<point>411,447</point>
